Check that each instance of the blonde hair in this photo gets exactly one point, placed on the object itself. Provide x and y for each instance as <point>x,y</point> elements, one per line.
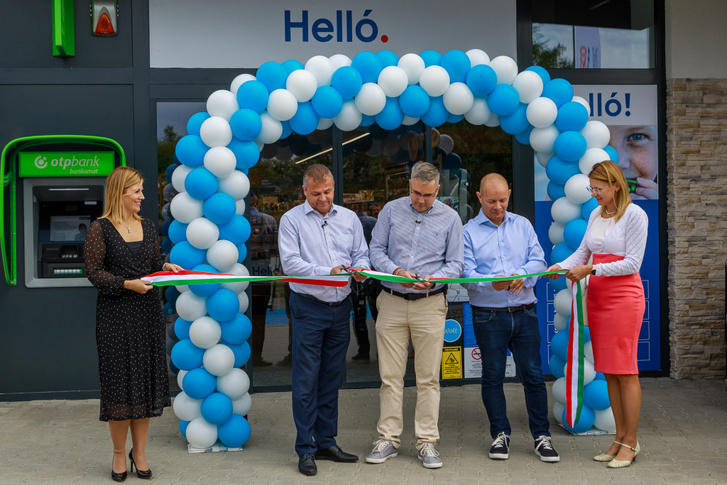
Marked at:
<point>118,181</point>
<point>608,172</point>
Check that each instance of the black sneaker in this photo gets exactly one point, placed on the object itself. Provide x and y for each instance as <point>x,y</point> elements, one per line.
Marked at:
<point>544,449</point>
<point>500,448</point>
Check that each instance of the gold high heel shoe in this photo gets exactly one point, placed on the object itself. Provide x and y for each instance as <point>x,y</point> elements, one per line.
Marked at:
<point>614,463</point>
<point>603,457</point>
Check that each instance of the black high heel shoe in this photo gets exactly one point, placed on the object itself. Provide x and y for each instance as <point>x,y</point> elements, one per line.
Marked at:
<point>139,473</point>
<point>117,477</point>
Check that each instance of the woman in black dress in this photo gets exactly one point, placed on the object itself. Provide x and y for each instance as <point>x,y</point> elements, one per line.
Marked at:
<point>120,248</point>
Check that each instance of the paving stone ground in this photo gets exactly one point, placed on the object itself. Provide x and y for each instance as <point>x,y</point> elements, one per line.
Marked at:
<point>683,435</point>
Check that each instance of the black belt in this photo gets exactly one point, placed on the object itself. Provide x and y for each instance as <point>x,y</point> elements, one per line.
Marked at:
<point>510,309</point>
<point>327,303</point>
<point>415,296</point>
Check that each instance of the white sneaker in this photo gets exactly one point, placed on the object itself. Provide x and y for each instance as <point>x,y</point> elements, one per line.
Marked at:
<point>429,456</point>
<point>383,450</point>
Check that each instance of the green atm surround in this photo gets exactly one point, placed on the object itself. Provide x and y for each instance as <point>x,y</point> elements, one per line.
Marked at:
<point>61,175</point>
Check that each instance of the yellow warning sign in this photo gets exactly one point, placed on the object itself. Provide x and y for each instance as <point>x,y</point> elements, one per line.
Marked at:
<point>452,363</point>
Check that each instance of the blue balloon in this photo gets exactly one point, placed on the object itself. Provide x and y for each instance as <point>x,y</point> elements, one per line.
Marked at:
<point>206,289</point>
<point>391,116</point>
<point>223,305</point>
<point>559,90</point>
<point>367,120</point>
<point>183,427</point>
<point>586,334</point>
<point>235,432</point>
<point>515,122</point>
<point>570,146</point>
<point>572,116</point>
<point>574,232</point>
<point>503,100</point>
<point>272,75</point>
<point>242,353</point>
<point>327,102</point>
<point>414,101</point>
<point>437,114</point>
<point>216,408</point>
<point>181,328</point>
<point>559,283</point>
<point>387,58</point>
<point>171,294</point>
<point>600,376</point>
<point>194,123</point>
<point>186,255</point>
<point>540,71</point>
<point>555,191</point>
<point>524,136</point>
<point>556,365</point>
<point>559,345</point>
<point>246,153</point>
<point>241,253</point>
<point>165,227</point>
<point>186,356</point>
<point>368,65</point>
<point>559,171</point>
<point>481,80</point>
<point>431,57</point>
<point>454,118</point>
<point>305,120</point>
<point>169,171</point>
<point>201,183</point>
<point>286,130</point>
<point>612,153</point>
<point>190,150</point>
<point>219,208</point>
<point>198,383</point>
<point>237,330</point>
<point>588,207</point>
<point>292,65</point>
<point>245,124</point>
<point>560,252</point>
<point>584,423</point>
<point>236,230</point>
<point>347,81</point>
<point>457,64</point>
<point>452,162</point>
<point>253,95</point>
<point>168,310</point>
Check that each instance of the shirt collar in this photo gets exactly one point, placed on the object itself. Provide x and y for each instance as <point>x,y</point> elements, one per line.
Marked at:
<point>308,209</point>
<point>483,219</point>
<point>431,210</point>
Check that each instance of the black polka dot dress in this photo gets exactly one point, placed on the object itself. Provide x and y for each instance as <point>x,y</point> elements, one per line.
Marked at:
<point>130,328</point>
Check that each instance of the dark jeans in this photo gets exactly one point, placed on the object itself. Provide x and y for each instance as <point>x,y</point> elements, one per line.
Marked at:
<point>496,331</point>
<point>320,340</point>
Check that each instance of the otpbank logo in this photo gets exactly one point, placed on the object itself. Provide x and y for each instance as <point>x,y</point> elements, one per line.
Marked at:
<point>345,27</point>
<point>40,162</point>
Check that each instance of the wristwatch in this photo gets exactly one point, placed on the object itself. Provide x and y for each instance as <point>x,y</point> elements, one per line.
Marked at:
<point>593,271</point>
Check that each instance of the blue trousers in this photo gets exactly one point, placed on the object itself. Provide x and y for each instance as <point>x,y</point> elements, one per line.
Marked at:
<point>320,341</point>
<point>496,331</point>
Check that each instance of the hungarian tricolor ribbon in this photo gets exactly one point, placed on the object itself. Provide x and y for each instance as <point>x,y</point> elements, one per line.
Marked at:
<point>575,357</point>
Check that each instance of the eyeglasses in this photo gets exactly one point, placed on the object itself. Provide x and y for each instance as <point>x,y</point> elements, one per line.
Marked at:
<point>595,190</point>
<point>423,196</point>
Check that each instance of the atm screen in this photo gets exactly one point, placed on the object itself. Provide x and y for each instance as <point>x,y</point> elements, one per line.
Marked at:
<point>69,228</point>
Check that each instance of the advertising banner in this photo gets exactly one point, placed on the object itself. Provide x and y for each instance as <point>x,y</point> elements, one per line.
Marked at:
<point>65,164</point>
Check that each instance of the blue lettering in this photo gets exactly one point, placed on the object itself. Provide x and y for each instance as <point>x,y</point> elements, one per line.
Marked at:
<point>324,30</point>
<point>372,26</point>
<point>322,26</point>
<point>302,25</point>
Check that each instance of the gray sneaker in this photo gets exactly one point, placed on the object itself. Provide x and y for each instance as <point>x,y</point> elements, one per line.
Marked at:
<point>383,450</point>
<point>429,456</point>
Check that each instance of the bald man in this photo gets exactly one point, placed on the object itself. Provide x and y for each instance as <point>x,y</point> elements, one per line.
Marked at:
<point>500,243</point>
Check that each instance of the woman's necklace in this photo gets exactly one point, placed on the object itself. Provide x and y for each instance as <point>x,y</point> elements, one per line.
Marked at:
<point>608,212</point>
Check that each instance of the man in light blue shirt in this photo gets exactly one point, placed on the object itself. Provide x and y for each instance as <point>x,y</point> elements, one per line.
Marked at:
<point>317,238</point>
<point>500,243</point>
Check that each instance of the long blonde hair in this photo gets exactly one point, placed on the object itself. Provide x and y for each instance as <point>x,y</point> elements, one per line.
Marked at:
<point>608,172</point>
<point>117,182</point>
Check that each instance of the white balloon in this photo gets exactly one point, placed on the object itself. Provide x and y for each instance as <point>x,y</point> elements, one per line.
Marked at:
<point>218,360</point>
<point>479,113</point>
<point>592,157</point>
<point>589,373</point>
<point>242,405</point>
<point>321,68</point>
<point>239,270</point>
<point>215,131</point>
<point>271,129</point>
<point>180,378</point>
<point>560,322</point>
<point>543,157</point>
<point>201,434</point>
<point>477,57</point>
<point>393,81</point>
<point>576,189</point>
<point>239,80</point>
<point>604,420</point>
<point>185,208</point>
<point>555,233</point>
<point>493,120</point>
<point>588,351</point>
<point>324,123</point>
<point>529,85</point>
<point>558,390</point>
<point>371,99</point>
<point>179,175</point>
<point>596,134</point>
<point>220,161</point>
<point>282,104</point>
<point>339,60</point>
<point>562,302</point>
<point>244,301</point>
<point>413,66</point>
<point>205,332</point>
<point>543,139</point>
<point>240,207</point>
<point>222,103</point>
<point>234,384</point>
<point>558,409</point>
<point>505,68</point>
<point>186,408</point>
<point>302,84</point>
<point>434,80</point>
<point>222,255</point>
<point>409,120</point>
<point>541,112</point>
<point>458,99</point>
<point>182,288</point>
<point>564,211</point>
<point>236,185</point>
<point>190,306</point>
<point>578,99</point>
<point>202,233</point>
<point>349,118</point>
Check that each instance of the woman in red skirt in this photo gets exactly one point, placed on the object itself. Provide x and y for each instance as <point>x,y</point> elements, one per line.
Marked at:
<point>611,252</point>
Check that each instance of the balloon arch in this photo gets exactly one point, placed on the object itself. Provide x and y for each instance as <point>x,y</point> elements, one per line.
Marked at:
<point>205,220</point>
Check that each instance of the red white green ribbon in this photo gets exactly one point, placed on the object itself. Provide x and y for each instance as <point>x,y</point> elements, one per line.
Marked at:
<point>574,362</point>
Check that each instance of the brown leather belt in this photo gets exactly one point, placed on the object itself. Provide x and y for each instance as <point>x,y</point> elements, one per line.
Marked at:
<point>509,309</point>
<point>415,296</point>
